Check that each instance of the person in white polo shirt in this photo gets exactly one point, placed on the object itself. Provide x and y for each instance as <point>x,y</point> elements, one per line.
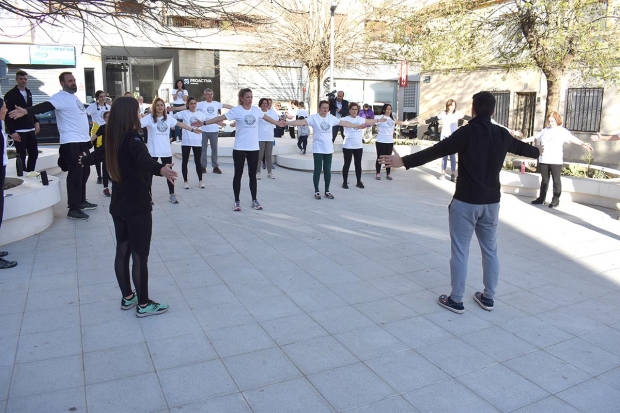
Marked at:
<point>211,108</point>
<point>74,139</point>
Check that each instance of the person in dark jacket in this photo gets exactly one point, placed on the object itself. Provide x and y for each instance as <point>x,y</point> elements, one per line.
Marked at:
<point>340,109</point>
<point>4,264</point>
<point>23,130</point>
<point>131,167</point>
<point>482,148</point>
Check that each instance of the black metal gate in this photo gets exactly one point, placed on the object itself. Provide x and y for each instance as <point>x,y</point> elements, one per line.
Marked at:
<point>525,113</point>
<point>502,106</point>
<point>584,107</point>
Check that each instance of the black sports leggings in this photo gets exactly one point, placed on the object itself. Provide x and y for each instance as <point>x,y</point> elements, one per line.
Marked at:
<point>133,239</point>
<point>357,155</point>
<point>383,149</point>
<point>197,154</point>
<point>166,160</point>
<point>239,158</point>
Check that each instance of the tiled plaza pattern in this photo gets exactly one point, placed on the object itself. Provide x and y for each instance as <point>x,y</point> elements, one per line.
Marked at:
<point>314,306</point>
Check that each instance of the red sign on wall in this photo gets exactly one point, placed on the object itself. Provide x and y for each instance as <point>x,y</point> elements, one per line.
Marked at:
<point>404,73</point>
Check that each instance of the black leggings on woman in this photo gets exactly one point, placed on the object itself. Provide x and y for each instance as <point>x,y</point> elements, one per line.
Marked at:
<point>357,155</point>
<point>197,154</point>
<point>165,160</point>
<point>383,149</point>
<point>133,239</point>
<point>239,158</point>
<point>555,171</point>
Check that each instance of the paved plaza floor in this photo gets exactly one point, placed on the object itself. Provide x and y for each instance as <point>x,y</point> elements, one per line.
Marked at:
<point>314,306</point>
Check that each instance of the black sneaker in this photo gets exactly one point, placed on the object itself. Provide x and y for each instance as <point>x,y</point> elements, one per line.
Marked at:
<point>87,205</point>
<point>483,302</point>
<point>4,264</point>
<point>99,180</point>
<point>538,201</point>
<point>345,185</point>
<point>204,169</point>
<point>76,214</point>
<point>554,203</point>
<point>446,302</point>
<point>360,185</point>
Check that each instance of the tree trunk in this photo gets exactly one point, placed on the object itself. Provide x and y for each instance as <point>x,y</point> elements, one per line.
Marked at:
<point>554,80</point>
<point>315,88</point>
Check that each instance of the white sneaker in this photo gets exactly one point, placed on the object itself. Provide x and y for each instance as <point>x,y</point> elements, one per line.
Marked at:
<point>186,185</point>
<point>200,184</point>
<point>271,176</point>
<point>258,175</point>
<point>173,199</point>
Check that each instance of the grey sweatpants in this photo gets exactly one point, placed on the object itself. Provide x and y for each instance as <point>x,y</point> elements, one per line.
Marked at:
<point>206,138</point>
<point>266,148</point>
<point>464,220</point>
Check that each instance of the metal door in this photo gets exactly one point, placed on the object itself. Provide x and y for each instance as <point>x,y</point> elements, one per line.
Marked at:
<point>502,106</point>
<point>525,113</point>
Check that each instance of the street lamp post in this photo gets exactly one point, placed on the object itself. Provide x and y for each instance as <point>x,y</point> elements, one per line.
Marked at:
<point>332,9</point>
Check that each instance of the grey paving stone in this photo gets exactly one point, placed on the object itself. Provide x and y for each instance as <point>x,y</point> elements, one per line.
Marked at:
<point>357,292</point>
<point>261,368</point>
<point>105,335</point>
<point>429,278</point>
<point>316,299</point>
<point>287,330</point>
<point>181,350</point>
<point>612,377</point>
<point>458,324</point>
<point>294,396</point>
<point>417,331</point>
<point>498,344</point>
<point>584,355</point>
<point>341,319</point>
<point>136,394</point>
<point>175,323</point>
<point>70,400</point>
<point>536,331</point>
<point>570,320</point>
<point>455,357</point>
<point>223,316</point>
<point>269,308</point>
<point>235,403</point>
<point>602,310</point>
<point>319,354</point>
<point>385,310</point>
<point>406,370</point>
<point>351,386</point>
<point>239,340</point>
<point>503,388</point>
<point>397,284</point>
<point>442,397</point>
<point>117,363</point>
<point>394,404</point>
<point>50,344</point>
<point>42,376</point>
<point>10,324</point>
<point>5,381</point>
<point>14,302</point>
<point>422,302</point>
<point>8,350</point>
<point>367,343</point>
<point>548,405</point>
<point>528,302</point>
<point>592,396</point>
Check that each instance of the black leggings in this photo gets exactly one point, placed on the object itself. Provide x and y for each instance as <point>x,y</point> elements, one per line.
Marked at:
<point>106,175</point>
<point>302,142</point>
<point>197,154</point>
<point>239,158</point>
<point>165,160</point>
<point>133,239</point>
<point>357,155</point>
<point>555,171</point>
<point>383,149</point>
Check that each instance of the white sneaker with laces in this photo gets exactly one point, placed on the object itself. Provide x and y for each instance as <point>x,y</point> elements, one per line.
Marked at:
<point>271,176</point>
<point>186,185</point>
<point>201,185</point>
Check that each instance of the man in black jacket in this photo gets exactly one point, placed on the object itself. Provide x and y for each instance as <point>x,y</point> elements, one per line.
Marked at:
<point>23,130</point>
<point>340,109</point>
<point>481,148</point>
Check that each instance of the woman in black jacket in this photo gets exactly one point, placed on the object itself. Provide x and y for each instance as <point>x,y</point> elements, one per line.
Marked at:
<point>130,167</point>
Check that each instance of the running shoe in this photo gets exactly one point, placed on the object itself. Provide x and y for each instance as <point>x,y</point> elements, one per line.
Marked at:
<point>449,304</point>
<point>317,195</point>
<point>152,308</point>
<point>173,199</point>
<point>483,302</point>
<point>87,205</point>
<point>106,192</point>
<point>258,176</point>
<point>99,180</point>
<point>76,214</point>
<point>129,304</point>
<point>256,205</point>
<point>201,185</point>
<point>6,264</point>
<point>271,176</point>
<point>360,185</point>
<point>329,195</point>
<point>186,185</point>
<point>237,206</point>
<point>378,177</point>
<point>304,151</point>
<point>345,185</point>
<point>452,178</point>
<point>389,177</point>
<point>264,165</point>
<point>216,170</point>
<point>204,169</point>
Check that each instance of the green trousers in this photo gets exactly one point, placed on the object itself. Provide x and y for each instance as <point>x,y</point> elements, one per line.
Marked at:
<point>324,161</point>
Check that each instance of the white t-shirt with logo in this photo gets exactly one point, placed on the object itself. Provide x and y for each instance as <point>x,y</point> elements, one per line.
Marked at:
<point>97,115</point>
<point>178,97</point>
<point>159,134</point>
<point>187,117</point>
<point>71,117</point>
<point>302,112</point>
<point>265,129</point>
<point>322,132</point>
<point>211,110</point>
<point>246,136</point>
<point>449,122</point>
<point>353,139</point>
<point>553,140</point>
<point>385,130</point>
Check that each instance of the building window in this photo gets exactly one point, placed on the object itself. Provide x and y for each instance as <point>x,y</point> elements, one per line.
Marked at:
<point>410,96</point>
<point>583,109</point>
<point>502,106</point>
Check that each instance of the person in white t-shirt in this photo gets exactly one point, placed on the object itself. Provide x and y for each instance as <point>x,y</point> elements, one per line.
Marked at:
<point>192,140</point>
<point>211,108</point>
<point>449,123</point>
<point>96,111</point>
<point>179,98</point>
<point>265,137</point>
<point>292,114</point>
<point>159,125</point>
<point>552,139</point>
<point>353,146</point>
<point>246,144</point>
<point>322,144</point>
<point>385,138</point>
<point>74,140</point>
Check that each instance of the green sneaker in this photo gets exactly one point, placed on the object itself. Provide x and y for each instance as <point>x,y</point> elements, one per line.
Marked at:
<point>152,308</point>
<point>129,304</point>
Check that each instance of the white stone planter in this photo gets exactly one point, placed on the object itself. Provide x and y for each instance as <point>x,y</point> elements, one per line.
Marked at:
<point>47,161</point>
<point>28,208</point>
